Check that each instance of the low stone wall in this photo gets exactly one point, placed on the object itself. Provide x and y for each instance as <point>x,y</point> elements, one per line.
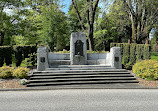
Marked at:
<point>58,56</point>
<point>92,58</point>
<point>47,59</point>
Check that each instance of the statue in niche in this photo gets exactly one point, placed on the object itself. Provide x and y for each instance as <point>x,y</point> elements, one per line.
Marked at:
<point>79,48</point>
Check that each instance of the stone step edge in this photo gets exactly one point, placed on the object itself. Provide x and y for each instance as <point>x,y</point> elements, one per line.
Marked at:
<point>67,71</point>
<point>82,82</point>
<point>76,76</point>
<point>77,73</point>
<point>83,79</point>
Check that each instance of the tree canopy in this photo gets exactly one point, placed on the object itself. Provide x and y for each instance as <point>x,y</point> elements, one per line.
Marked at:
<point>43,22</point>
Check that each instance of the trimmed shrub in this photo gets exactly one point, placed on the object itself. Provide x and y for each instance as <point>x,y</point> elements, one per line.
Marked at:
<point>132,53</point>
<point>146,69</point>
<point>1,56</point>
<point>146,52</point>
<point>5,55</point>
<point>22,52</point>
<point>6,72</point>
<point>18,54</point>
<point>21,72</point>
<point>139,52</point>
<point>126,54</point>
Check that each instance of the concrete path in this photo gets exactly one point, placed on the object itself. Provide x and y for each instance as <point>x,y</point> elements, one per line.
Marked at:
<point>80,100</point>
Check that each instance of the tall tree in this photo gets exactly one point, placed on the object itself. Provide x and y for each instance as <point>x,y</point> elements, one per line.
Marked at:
<point>89,11</point>
<point>143,15</point>
<point>120,19</point>
<point>9,22</point>
<point>50,23</point>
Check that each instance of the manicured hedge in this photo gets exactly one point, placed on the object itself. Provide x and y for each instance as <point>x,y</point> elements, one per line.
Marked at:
<point>20,53</point>
<point>133,52</point>
<point>5,55</point>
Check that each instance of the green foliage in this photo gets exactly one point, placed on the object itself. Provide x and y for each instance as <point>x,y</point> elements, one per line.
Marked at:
<point>30,61</point>
<point>11,15</point>
<point>146,52</point>
<point>88,51</point>
<point>5,55</point>
<point>104,33</point>
<point>154,56</point>
<point>132,53</point>
<point>6,72</point>
<point>19,40</point>
<point>48,25</point>
<point>147,69</point>
<point>126,53</point>
<point>64,51</point>
<point>21,72</point>
<point>22,52</point>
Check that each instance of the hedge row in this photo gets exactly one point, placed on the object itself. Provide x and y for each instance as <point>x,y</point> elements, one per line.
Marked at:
<point>133,52</point>
<point>19,52</point>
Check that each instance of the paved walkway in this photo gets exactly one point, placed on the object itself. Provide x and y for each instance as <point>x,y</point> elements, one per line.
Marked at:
<point>80,100</point>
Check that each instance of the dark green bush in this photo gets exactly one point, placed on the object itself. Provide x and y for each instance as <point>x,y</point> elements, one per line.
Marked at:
<point>22,52</point>
<point>5,55</point>
<point>18,54</point>
<point>132,53</point>
<point>146,52</point>
<point>126,54</point>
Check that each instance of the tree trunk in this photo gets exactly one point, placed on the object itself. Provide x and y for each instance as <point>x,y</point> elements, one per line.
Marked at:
<point>147,41</point>
<point>90,36</point>
<point>1,38</point>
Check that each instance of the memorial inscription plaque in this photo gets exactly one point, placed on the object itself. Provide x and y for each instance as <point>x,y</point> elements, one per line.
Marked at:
<point>79,48</point>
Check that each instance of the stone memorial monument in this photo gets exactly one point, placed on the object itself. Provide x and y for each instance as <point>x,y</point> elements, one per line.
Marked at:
<point>78,49</point>
<point>78,55</point>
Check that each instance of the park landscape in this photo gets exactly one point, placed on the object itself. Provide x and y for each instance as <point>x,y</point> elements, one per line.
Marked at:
<point>27,25</point>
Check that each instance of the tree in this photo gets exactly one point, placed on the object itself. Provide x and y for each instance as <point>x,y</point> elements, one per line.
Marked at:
<point>89,11</point>
<point>105,32</point>
<point>50,23</point>
<point>9,22</point>
<point>120,19</point>
<point>143,15</point>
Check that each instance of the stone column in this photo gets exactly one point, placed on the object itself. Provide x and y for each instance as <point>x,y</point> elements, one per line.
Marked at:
<point>78,49</point>
<point>115,55</point>
<point>42,58</point>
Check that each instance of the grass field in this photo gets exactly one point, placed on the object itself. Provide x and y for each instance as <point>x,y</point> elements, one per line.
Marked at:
<point>154,56</point>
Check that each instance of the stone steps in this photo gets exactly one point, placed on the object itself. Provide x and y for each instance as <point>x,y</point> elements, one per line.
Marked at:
<point>80,77</point>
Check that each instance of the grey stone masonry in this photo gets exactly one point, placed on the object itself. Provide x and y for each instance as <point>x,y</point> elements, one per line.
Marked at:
<point>115,55</point>
<point>42,58</point>
<point>78,49</point>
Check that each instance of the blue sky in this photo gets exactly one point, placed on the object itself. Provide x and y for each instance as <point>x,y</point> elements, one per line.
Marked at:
<point>66,4</point>
<point>104,5</point>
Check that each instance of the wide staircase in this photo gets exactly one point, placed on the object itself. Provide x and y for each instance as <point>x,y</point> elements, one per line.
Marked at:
<point>63,75</point>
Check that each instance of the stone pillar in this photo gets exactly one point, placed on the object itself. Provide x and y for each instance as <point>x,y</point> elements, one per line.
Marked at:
<point>42,58</point>
<point>115,55</point>
<point>78,49</point>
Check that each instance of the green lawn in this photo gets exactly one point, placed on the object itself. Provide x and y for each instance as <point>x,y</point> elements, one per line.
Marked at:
<point>154,55</point>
